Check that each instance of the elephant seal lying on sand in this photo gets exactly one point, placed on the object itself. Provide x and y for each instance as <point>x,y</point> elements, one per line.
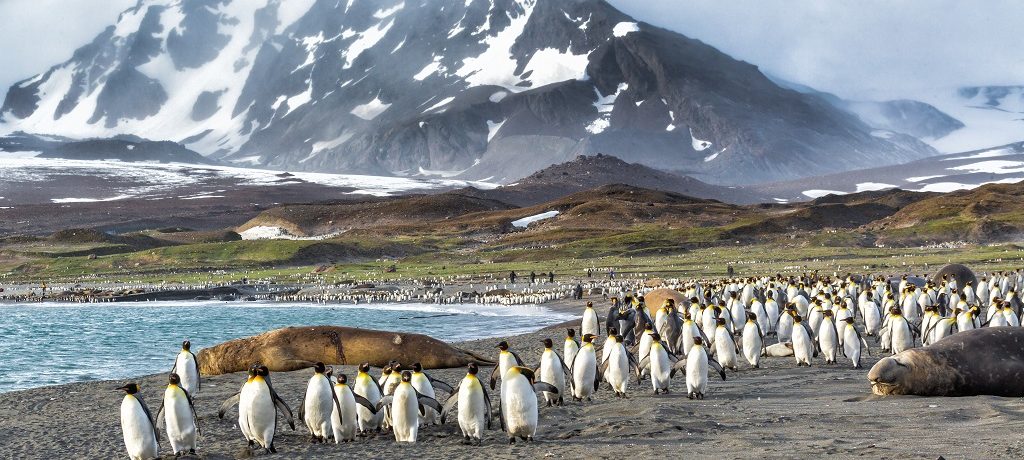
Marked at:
<point>986,361</point>
<point>294,348</point>
<point>656,299</point>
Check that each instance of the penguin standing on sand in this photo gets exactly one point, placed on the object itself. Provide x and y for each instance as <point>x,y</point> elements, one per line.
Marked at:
<point>178,415</point>
<point>803,344</point>
<point>753,341</point>
<point>186,365</point>
<point>140,435</point>
<point>853,343</point>
<point>616,368</point>
<point>407,405</point>
<point>900,332</point>
<point>242,416</point>
<point>584,370</point>
<point>828,338</point>
<point>318,405</point>
<point>425,384</point>
<point>697,362</point>
<point>474,406</point>
<point>572,345</point>
<point>369,389</point>
<point>506,360</point>
<point>261,405</point>
<point>552,370</point>
<point>725,346</point>
<point>591,325</point>
<point>518,403</point>
<point>345,417</point>
<point>662,365</point>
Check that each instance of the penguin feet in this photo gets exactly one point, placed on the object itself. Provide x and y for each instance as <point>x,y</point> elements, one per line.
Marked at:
<point>528,439</point>
<point>511,441</point>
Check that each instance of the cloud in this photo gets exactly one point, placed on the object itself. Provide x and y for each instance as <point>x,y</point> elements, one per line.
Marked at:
<point>37,34</point>
<point>865,48</point>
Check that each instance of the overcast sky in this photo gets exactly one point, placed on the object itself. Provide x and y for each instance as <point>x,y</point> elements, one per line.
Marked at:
<point>858,49</point>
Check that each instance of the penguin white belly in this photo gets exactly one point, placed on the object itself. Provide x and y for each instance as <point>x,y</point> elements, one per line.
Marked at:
<point>696,372</point>
<point>551,372</point>
<point>645,345</point>
<point>583,373</point>
<point>660,369</point>
<point>589,323</point>
<point>519,407</point>
<point>606,350</point>
<point>318,406</point>
<point>784,331</point>
<point>506,360</point>
<point>872,319</point>
<point>569,350</point>
<point>137,428</point>
<point>262,415</point>
<point>901,338</point>
<point>997,320</point>
<point>725,351</point>
<point>771,308</point>
<point>738,314</point>
<point>344,424</point>
<point>661,322</point>
<point>405,414</point>
<point>752,346</point>
<point>690,331</point>
<point>618,369</point>
<point>472,409</point>
<point>181,427</point>
<point>244,403</point>
<point>851,345</point>
<point>803,348</point>
<point>422,384</point>
<point>185,367</point>
<point>828,341</point>
<point>366,388</point>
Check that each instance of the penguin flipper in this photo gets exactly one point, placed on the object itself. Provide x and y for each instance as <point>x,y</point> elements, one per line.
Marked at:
<point>384,402</point>
<point>160,417</point>
<point>544,386</point>
<point>444,386</point>
<point>519,361</point>
<point>227,404</point>
<point>337,403</point>
<point>283,407</point>
<point>427,401</point>
<point>494,375</point>
<point>448,406</point>
<point>718,367</point>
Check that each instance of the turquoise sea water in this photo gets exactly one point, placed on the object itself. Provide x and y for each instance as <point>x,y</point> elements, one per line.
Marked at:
<point>56,343</point>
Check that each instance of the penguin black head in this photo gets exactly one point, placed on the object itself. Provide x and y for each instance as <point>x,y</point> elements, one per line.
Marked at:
<point>591,304</point>
<point>656,337</point>
<point>503,345</point>
<point>571,332</point>
<point>827,313</point>
<point>751,316</point>
<point>173,379</point>
<point>263,371</point>
<point>848,320</point>
<point>417,367</point>
<point>386,370</point>
<point>342,379</point>
<point>698,340</point>
<point>588,338</point>
<point>365,367</point>
<point>406,376</point>
<point>130,388</point>
<point>640,299</point>
<point>648,327</point>
<point>472,368</point>
<point>186,345</point>
<point>612,331</point>
<point>319,368</point>
<point>720,321</point>
<point>796,318</point>
<point>395,366</point>
<point>547,343</point>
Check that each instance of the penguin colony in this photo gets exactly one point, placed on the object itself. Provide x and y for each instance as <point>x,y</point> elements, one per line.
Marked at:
<point>723,324</point>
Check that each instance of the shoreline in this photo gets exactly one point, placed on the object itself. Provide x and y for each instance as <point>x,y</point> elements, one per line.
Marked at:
<point>777,411</point>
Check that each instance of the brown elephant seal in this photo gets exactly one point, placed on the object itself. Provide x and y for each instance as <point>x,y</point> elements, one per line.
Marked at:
<point>986,361</point>
<point>294,348</point>
<point>960,272</point>
<point>656,299</point>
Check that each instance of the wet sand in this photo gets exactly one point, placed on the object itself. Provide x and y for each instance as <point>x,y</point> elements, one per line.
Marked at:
<point>778,411</point>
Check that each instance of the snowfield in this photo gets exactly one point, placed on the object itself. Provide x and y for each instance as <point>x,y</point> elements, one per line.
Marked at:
<point>526,221</point>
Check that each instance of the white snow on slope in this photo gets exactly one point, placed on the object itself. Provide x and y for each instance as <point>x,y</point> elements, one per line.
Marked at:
<point>604,106</point>
<point>526,221</point>
<point>430,69</point>
<point>623,28</point>
<point>440,104</point>
<point>89,200</point>
<point>550,65</point>
<point>924,178</point>
<point>699,145</point>
<point>370,110</point>
<point>986,154</point>
<point>993,167</point>
<point>818,193</point>
<point>367,39</point>
<point>492,128</point>
<point>261,232</point>
<point>873,186</point>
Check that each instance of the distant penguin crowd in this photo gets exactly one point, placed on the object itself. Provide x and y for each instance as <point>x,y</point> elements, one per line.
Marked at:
<point>718,326</point>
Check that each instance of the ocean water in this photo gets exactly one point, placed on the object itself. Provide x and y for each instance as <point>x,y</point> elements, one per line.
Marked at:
<point>56,343</point>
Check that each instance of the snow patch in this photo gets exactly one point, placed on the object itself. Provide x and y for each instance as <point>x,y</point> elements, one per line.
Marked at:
<point>985,154</point>
<point>699,145</point>
<point>817,193</point>
<point>367,39</point>
<point>550,65</point>
<point>430,69</point>
<point>924,178</point>
<point>497,97</point>
<point>443,103</point>
<point>253,160</point>
<point>623,28</point>
<point>598,126</point>
<point>873,186</point>
<point>993,167</point>
<point>383,13</point>
<point>370,110</point>
<point>261,232</point>
<point>492,129</point>
<point>711,157</point>
<point>89,200</point>
<point>526,221</point>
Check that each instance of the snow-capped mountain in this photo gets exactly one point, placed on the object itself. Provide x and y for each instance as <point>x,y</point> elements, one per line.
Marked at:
<point>479,89</point>
<point>992,115</point>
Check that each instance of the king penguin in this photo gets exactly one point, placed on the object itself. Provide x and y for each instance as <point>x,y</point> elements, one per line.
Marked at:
<point>424,384</point>
<point>318,405</point>
<point>552,370</point>
<point>571,346</point>
<point>369,389</point>
<point>474,406</point>
<point>584,370</point>
<point>261,404</point>
<point>345,423</point>
<point>178,415</point>
<point>518,404</point>
<point>186,365</point>
<point>407,405</point>
<point>140,435</point>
